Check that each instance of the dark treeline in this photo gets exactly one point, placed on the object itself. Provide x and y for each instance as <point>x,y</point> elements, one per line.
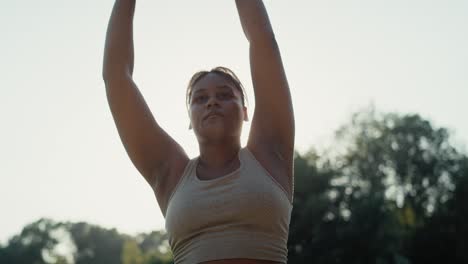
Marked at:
<point>47,241</point>
<point>391,189</point>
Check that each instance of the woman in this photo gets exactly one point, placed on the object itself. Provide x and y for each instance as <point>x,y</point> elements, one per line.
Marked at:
<point>230,204</point>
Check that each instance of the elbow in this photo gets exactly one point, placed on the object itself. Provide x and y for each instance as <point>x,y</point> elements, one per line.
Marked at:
<point>107,67</point>
<point>114,67</point>
<point>108,75</point>
<point>105,75</point>
<point>112,73</point>
<point>107,71</point>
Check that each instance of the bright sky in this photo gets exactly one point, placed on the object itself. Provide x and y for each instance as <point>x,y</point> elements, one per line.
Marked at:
<point>61,156</point>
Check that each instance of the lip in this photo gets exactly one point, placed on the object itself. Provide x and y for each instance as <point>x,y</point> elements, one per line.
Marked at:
<point>212,114</point>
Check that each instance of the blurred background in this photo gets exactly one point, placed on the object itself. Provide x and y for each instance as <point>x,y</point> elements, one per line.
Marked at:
<point>379,91</point>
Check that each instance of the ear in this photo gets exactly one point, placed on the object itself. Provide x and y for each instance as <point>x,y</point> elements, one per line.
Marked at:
<point>190,120</point>
<point>246,115</point>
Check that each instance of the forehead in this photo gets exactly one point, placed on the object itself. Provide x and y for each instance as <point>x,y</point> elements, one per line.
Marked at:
<point>213,81</point>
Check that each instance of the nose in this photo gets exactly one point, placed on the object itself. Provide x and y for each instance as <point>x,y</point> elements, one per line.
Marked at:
<point>212,101</point>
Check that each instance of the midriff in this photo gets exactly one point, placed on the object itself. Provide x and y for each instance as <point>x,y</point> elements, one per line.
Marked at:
<point>240,261</point>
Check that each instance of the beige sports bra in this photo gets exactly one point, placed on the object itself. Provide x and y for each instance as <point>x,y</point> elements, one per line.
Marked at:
<point>244,214</point>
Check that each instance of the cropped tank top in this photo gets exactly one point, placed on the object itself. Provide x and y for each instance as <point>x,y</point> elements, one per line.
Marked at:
<point>244,214</point>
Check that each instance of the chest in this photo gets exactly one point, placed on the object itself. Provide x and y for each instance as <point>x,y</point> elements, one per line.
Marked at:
<point>238,200</point>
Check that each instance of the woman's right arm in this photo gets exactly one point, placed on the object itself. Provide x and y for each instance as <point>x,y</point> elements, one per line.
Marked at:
<point>153,152</point>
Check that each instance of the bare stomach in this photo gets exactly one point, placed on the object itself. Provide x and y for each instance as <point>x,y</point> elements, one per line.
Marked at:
<point>240,261</point>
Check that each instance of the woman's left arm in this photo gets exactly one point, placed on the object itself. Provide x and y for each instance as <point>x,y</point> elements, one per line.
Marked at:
<point>272,128</point>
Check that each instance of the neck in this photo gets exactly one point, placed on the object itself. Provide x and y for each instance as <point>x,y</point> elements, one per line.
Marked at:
<point>219,154</point>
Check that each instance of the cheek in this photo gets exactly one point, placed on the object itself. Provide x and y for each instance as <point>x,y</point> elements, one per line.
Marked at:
<point>236,111</point>
<point>194,114</point>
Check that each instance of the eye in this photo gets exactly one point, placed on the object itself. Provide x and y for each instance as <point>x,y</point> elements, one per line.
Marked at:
<point>199,98</point>
<point>225,95</point>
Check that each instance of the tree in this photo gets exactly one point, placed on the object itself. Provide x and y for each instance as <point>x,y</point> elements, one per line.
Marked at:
<point>312,209</point>
<point>131,253</point>
<point>386,177</point>
<point>155,247</point>
<point>445,236</point>
<point>47,241</point>
<point>37,243</point>
<point>96,244</point>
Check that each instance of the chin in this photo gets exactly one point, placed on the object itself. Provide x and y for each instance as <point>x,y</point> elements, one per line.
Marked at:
<point>216,133</point>
<point>213,134</point>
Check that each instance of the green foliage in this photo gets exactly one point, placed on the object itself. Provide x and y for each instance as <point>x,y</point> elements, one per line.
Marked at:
<point>155,248</point>
<point>86,243</point>
<point>131,253</point>
<point>379,194</point>
<point>96,244</point>
<point>34,244</point>
<point>445,236</point>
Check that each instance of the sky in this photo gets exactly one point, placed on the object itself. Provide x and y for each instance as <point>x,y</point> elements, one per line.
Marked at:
<point>60,153</point>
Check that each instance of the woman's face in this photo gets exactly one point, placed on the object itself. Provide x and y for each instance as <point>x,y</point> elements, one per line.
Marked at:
<point>216,110</point>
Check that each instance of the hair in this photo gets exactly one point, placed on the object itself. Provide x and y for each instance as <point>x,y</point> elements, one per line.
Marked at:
<point>223,72</point>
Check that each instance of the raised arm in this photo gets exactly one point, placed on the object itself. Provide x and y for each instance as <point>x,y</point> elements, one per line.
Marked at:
<point>153,152</point>
<point>272,128</point>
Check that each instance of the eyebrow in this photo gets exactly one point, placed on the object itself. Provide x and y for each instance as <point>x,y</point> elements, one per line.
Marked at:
<point>222,86</point>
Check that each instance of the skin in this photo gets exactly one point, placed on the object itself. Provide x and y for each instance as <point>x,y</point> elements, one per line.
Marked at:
<point>216,116</point>
<point>159,158</point>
